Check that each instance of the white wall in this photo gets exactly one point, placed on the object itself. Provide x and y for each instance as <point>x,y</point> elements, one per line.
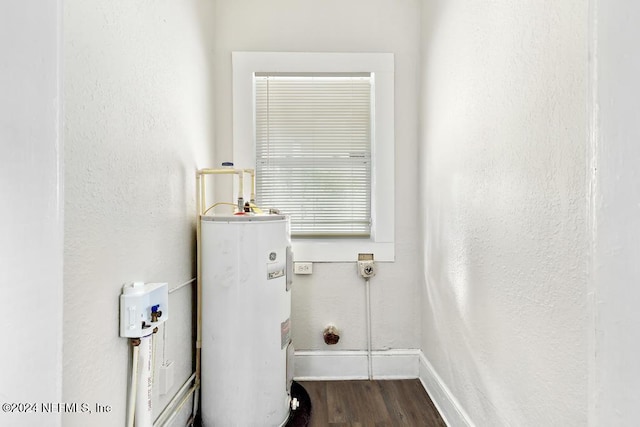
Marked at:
<point>31,212</point>
<point>616,214</point>
<point>335,293</point>
<point>138,123</point>
<point>503,157</point>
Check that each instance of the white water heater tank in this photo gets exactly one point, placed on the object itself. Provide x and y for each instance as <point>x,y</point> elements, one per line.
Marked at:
<point>246,306</point>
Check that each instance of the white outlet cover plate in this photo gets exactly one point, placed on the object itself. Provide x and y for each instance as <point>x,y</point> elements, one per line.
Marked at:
<point>303,267</point>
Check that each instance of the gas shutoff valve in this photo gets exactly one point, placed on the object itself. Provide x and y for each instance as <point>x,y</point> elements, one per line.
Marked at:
<point>366,265</point>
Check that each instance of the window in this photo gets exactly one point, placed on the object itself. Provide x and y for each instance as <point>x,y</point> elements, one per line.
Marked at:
<point>264,138</point>
<point>313,151</point>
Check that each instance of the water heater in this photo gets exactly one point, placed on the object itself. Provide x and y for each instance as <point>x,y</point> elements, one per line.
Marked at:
<point>246,305</point>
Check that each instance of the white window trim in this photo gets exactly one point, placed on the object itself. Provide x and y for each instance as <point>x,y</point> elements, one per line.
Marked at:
<point>245,64</point>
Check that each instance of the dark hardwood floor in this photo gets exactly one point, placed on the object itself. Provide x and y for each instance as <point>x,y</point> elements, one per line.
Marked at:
<point>385,403</point>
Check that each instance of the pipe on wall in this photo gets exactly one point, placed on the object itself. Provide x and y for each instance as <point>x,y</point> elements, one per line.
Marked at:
<point>144,394</point>
<point>368,307</point>
<point>170,410</point>
<point>239,172</point>
<point>131,404</point>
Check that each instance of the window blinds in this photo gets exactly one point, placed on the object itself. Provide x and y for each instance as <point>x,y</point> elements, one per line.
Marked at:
<point>313,151</point>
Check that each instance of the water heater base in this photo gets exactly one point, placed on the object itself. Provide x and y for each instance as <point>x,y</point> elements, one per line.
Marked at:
<point>301,416</point>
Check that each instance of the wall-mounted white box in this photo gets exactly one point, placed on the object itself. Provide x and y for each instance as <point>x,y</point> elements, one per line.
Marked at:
<point>143,307</point>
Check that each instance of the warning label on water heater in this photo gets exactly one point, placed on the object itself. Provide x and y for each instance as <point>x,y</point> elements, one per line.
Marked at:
<point>285,334</point>
<point>275,270</point>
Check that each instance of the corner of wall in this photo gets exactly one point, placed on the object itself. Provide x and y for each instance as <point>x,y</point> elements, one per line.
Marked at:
<point>448,406</point>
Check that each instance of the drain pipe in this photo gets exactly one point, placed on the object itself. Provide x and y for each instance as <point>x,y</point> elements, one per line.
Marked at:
<point>252,174</point>
<point>144,393</point>
<point>200,206</point>
<point>367,286</point>
<point>139,406</point>
<point>131,405</point>
<point>170,411</point>
<point>366,269</point>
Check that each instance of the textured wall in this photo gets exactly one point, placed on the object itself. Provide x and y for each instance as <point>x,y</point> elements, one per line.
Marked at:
<point>31,196</point>
<point>335,293</point>
<point>503,157</point>
<point>616,210</point>
<point>137,125</point>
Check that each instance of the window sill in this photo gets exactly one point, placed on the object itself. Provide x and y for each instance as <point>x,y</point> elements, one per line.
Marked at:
<point>340,250</point>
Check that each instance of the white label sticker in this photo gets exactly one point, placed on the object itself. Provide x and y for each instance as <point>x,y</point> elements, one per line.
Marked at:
<point>275,270</point>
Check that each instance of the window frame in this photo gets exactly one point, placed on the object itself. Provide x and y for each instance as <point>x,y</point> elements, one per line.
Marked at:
<point>381,241</point>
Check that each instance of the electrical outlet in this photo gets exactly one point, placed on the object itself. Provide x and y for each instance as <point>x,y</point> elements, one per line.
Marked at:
<point>303,267</point>
<point>365,257</point>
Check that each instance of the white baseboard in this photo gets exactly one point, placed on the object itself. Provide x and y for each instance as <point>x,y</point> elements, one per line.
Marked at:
<point>446,403</point>
<point>386,364</point>
<point>353,365</point>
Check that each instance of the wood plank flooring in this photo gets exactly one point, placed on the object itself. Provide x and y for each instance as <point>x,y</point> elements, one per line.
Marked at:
<point>385,403</point>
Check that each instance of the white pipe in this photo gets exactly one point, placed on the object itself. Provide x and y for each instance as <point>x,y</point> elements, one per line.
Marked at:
<point>182,285</point>
<point>252,174</point>
<point>153,356</point>
<point>173,401</point>
<point>369,361</point>
<point>198,302</point>
<point>239,172</point>
<point>144,395</point>
<point>196,398</point>
<point>177,410</point>
<point>131,406</point>
<point>240,191</point>
<point>202,197</point>
<point>164,344</point>
<point>219,171</point>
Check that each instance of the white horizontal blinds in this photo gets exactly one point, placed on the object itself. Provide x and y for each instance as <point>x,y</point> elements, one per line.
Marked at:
<point>313,151</point>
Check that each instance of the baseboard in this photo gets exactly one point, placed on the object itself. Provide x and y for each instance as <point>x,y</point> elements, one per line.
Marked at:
<point>386,364</point>
<point>353,365</point>
<point>446,403</point>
